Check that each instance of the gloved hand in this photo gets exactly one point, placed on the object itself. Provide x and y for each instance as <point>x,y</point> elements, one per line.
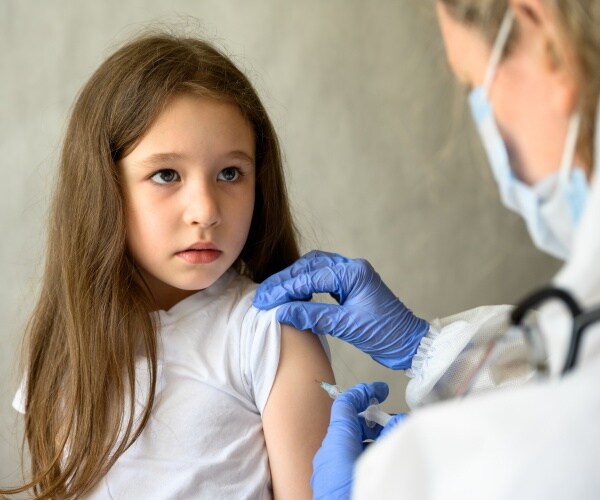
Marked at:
<point>369,316</point>
<point>333,465</point>
<point>393,423</point>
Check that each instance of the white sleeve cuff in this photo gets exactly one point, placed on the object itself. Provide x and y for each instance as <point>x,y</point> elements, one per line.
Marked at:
<point>425,351</point>
<point>19,400</point>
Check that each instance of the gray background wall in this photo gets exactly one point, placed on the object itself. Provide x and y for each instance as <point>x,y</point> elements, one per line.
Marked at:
<point>381,156</point>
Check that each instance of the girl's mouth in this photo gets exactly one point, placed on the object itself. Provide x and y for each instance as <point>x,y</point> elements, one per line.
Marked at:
<point>204,256</point>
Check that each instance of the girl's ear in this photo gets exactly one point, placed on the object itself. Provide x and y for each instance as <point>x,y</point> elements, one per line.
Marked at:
<point>542,36</point>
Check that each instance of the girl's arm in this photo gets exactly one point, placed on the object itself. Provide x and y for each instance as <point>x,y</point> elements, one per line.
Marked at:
<point>296,415</point>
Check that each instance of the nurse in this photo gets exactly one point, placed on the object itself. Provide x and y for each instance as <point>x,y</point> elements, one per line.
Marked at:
<point>533,71</point>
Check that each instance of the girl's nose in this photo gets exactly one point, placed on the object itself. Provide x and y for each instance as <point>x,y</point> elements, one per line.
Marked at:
<point>202,208</point>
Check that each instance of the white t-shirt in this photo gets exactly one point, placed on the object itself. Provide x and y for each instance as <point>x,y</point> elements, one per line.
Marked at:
<point>217,361</point>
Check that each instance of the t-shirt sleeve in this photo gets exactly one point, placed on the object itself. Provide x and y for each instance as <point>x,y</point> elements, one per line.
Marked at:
<point>260,349</point>
<point>20,396</point>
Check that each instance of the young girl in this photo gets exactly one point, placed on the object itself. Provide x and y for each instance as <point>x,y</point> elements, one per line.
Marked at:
<point>149,374</point>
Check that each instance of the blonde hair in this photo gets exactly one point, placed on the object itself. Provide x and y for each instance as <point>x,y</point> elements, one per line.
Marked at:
<point>92,318</point>
<point>579,22</point>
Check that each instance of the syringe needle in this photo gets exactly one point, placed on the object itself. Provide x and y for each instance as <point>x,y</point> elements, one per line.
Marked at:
<point>372,415</point>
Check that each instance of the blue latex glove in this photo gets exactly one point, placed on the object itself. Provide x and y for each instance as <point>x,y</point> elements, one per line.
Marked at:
<point>333,465</point>
<point>369,316</point>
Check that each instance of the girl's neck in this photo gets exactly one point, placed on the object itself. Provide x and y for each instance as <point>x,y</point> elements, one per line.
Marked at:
<point>165,296</point>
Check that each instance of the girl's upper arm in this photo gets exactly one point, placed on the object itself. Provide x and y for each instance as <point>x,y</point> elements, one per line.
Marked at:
<point>296,415</point>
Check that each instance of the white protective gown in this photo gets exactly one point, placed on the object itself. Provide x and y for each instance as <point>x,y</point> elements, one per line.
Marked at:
<point>531,441</point>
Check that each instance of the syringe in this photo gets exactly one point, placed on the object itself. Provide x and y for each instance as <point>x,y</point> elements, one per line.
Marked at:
<point>372,415</point>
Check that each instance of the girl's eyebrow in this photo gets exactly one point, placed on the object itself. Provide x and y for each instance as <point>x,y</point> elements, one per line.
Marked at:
<point>238,154</point>
<point>159,159</point>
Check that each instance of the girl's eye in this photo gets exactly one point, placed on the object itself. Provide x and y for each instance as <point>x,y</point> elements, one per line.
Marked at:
<point>229,174</point>
<point>166,176</point>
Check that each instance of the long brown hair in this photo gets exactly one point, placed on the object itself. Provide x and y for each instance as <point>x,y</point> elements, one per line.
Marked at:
<point>92,318</point>
<point>579,22</point>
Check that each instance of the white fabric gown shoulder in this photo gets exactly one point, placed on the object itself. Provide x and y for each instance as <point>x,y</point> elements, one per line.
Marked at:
<point>533,441</point>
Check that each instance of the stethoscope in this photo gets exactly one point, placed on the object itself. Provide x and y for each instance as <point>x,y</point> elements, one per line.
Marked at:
<point>581,319</point>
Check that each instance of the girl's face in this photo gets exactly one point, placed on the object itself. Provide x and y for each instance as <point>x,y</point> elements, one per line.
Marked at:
<point>533,94</point>
<point>189,187</point>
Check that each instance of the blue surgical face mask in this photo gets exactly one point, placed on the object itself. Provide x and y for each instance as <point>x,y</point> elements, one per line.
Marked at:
<point>551,208</point>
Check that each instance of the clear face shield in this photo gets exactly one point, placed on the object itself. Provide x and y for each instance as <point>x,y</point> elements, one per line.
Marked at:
<point>517,353</point>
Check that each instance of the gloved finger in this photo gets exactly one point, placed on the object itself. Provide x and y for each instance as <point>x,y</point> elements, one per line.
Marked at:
<point>393,423</point>
<point>369,431</point>
<point>315,316</point>
<point>349,404</point>
<point>313,260</point>
<point>315,272</point>
<point>357,399</point>
<point>339,322</point>
<point>291,286</point>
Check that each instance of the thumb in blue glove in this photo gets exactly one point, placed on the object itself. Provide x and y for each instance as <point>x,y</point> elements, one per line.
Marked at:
<point>369,316</point>
<point>333,465</point>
